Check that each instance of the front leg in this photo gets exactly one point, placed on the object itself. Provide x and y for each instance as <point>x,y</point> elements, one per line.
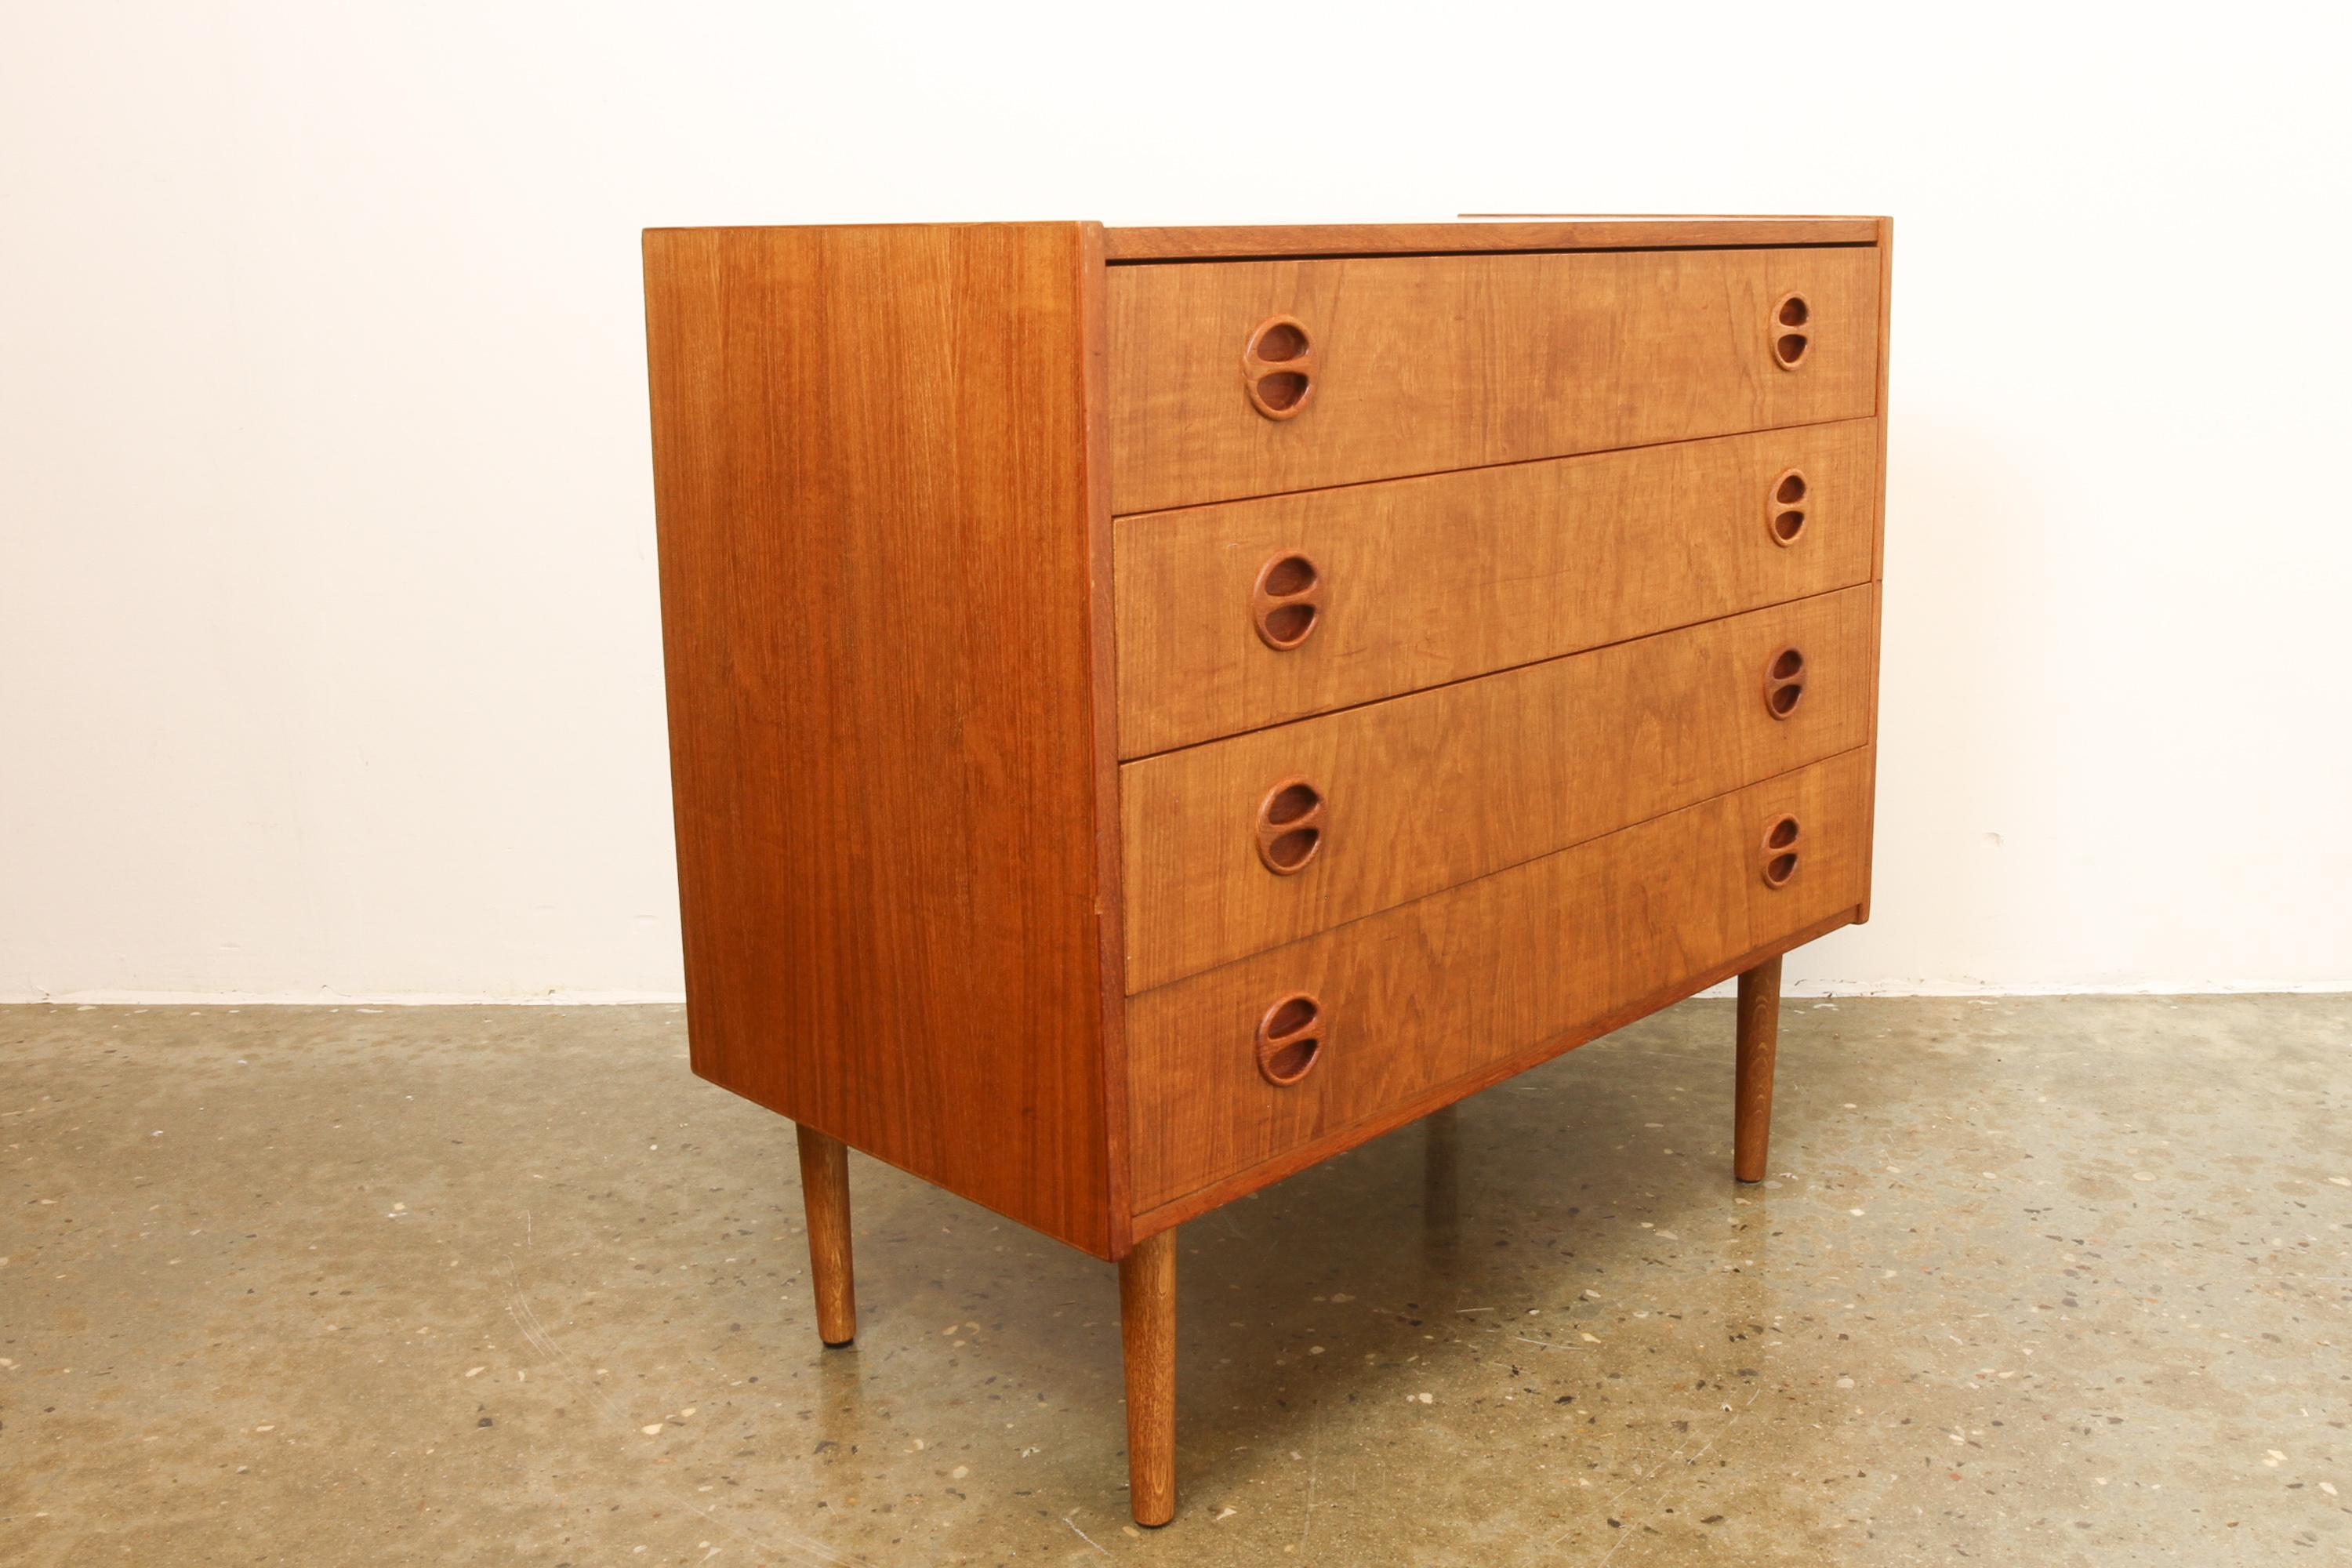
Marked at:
<point>1759,1043</point>
<point>1147,1335</point>
<point>825,1194</point>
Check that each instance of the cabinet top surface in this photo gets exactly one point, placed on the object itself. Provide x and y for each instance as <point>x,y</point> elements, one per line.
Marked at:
<point>1481,232</point>
<point>1487,232</point>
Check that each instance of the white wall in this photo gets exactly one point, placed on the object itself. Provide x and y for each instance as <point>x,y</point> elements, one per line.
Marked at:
<point>328,659</point>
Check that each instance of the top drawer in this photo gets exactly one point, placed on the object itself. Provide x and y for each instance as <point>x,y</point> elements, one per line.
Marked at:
<point>1233,379</point>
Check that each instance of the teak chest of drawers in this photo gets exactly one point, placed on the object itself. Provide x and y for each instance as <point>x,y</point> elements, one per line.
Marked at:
<point>1151,708</point>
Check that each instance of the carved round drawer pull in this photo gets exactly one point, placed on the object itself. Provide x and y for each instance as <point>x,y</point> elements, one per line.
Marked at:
<point>1287,601</point>
<point>1779,856</point>
<point>1791,320</point>
<point>1290,830</point>
<point>1278,367</point>
<point>1785,507</point>
<point>1784,682</point>
<point>1290,1039</point>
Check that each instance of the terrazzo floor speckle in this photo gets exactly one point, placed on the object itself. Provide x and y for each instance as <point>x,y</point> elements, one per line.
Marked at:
<point>2053,1281</point>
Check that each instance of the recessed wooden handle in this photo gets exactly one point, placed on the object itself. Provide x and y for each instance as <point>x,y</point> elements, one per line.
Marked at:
<point>1287,601</point>
<point>1779,858</point>
<point>1290,1039</point>
<point>1278,367</point>
<point>1784,681</point>
<point>1792,321</point>
<point>1785,506</point>
<point>1290,826</point>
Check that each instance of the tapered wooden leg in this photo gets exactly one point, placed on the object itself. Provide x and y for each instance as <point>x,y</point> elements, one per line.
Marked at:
<point>1759,1042</point>
<point>1147,1335</point>
<point>824,1190</point>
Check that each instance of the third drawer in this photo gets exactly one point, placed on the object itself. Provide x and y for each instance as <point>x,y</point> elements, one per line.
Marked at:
<point>1259,839</point>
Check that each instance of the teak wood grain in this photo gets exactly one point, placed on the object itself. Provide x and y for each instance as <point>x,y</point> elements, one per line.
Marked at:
<point>1438,989</point>
<point>1429,580</point>
<point>1473,234</point>
<point>1427,791</point>
<point>882,587</point>
<point>1425,363</point>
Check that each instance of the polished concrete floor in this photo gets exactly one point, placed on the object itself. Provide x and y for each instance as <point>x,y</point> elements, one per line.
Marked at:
<point>2051,1282</point>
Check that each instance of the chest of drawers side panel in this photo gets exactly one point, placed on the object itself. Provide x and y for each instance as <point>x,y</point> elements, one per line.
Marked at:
<point>1421,364</point>
<point>882,550</point>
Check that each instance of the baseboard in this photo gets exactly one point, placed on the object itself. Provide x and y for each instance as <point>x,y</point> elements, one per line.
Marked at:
<point>324,998</point>
<point>1987,991</point>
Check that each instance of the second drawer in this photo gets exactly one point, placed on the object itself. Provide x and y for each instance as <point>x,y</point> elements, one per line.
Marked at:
<point>1235,616</point>
<point>1259,839</point>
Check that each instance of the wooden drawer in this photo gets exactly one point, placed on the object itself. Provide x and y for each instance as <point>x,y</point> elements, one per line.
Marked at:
<point>1483,978</point>
<point>1433,789</point>
<point>1418,581</point>
<point>1417,365</point>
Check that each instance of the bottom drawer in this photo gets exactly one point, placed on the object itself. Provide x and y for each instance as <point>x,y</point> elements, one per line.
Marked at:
<point>1237,1067</point>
